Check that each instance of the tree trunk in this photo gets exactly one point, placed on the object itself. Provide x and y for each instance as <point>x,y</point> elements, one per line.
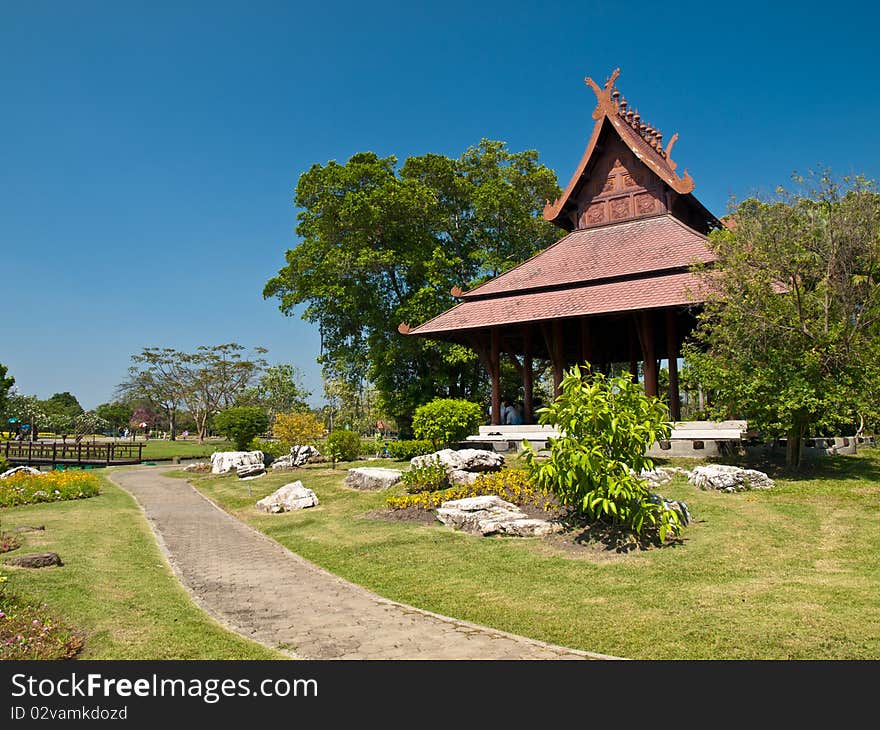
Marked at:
<point>793,450</point>
<point>172,425</point>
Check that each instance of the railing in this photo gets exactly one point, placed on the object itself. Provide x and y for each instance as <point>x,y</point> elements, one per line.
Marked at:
<point>41,452</point>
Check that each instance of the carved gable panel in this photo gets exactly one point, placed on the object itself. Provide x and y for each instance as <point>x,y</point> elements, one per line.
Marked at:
<point>618,187</point>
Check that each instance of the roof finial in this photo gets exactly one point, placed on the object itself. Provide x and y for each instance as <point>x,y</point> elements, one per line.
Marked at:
<point>636,119</point>
<point>622,107</point>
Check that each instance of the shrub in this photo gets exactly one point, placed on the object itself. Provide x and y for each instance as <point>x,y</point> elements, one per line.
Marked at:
<point>512,485</point>
<point>241,424</point>
<point>409,448</point>
<point>343,446</point>
<point>53,486</point>
<point>272,449</point>
<point>4,464</point>
<point>446,420</point>
<point>606,425</point>
<point>429,477</point>
<point>297,429</point>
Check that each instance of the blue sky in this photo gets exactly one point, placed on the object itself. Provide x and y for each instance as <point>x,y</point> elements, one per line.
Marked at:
<point>149,150</point>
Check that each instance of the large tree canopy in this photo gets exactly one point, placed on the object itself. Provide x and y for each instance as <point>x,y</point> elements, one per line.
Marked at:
<point>790,335</point>
<point>383,244</point>
<point>6,384</point>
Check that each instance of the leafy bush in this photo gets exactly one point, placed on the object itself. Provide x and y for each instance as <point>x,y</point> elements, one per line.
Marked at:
<point>297,429</point>
<point>272,449</point>
<point>446,420</point>
<point>606,425</point>
<point>429,477</point>
<point>241,424</point>
<point>4,464</point>
<point>53,486</point>
<point>407,449</point>
<point>343,446</point>
<point>512,485</point>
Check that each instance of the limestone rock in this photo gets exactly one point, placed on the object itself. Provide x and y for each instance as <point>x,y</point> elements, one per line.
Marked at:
<point>462,460</point>
<point>491,515</point>
<point>298,456</point>
<point>661,475</point>
<point>223,462</point>
<point>461,478</point>
<point>38,560</point>
<point>22,470</point>
<point>290,497</point>
<point>199,467</point>
<point>724,478</point>
<point>372,478</point>
<point>250,471</point>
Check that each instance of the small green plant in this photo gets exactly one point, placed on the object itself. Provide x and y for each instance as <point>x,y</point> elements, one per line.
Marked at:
<point>444,421</point>
<point>4,464</point>
<point>407,449</point>
<point>428,477</point>
<point>343,446</point>
<point>241,424</point>
<point>606,425</point>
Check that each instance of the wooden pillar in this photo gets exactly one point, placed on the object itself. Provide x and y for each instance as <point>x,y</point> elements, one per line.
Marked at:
<point>495,374</point>
<point>557,356</point>
<point>528,375</point>
<point>586,342</point>
<point>672,352</point>
<point>634,354</point>
<point>646,339</point>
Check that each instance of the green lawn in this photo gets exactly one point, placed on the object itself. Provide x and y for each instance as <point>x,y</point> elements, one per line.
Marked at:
<point>115,584</point>
<point>787,573</point>
<point>189,449</point>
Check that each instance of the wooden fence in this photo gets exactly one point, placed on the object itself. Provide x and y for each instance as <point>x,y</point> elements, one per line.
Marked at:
<point>58,452</point>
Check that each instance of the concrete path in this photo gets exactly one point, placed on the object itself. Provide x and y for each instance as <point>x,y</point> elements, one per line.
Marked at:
<point>260,589</point>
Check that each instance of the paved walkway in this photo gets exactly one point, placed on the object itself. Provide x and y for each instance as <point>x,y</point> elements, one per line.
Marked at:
<point>260,589</point>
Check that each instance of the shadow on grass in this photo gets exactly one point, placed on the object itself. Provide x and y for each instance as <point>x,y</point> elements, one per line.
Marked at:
<point>614,539</point>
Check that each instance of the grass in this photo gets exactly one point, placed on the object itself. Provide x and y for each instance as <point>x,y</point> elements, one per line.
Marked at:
<point>789,573</point>
<point>158,449</point>
<point>115,584</point>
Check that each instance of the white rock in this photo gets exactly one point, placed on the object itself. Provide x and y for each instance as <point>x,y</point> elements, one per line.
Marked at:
<point>251,471</point>
<point>223,462</point>
<point>372,478</point>
<point>290,497</point>
<point>298,456</point>
<point>462,460</point>
<point>724,478</point>
<point>491,515</point>
<point>22,470</point>
<point>461,478</point>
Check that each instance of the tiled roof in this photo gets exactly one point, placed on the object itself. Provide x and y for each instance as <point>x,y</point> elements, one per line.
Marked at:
<point>599,298</point>
<point>621,249</point>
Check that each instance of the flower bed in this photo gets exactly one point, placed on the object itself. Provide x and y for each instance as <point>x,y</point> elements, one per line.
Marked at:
<point>511,485</point>
<point>28,631</point>
<point>54,486</point>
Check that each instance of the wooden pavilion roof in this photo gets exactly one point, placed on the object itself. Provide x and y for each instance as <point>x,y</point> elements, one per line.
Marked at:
<point>634,227</point>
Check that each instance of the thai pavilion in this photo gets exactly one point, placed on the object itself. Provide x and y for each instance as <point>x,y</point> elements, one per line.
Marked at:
<point>618,287</point>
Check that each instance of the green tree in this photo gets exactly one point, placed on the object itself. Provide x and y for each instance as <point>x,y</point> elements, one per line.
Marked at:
<point>242,424</point>
<point>6,384</point>
<point>206,381</point>
<point>383,245</point>
<point>116,414</point>
<point>789,337</point>
<point>279,390</point>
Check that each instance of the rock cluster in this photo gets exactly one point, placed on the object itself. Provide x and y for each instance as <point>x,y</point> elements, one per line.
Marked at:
<point>290,497</point>
<point>223,462</point>
<point>298,456</point>
<point>724,478</point>
<point>250,471</point>
<point>491,515</point>
<point>369,478</point>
